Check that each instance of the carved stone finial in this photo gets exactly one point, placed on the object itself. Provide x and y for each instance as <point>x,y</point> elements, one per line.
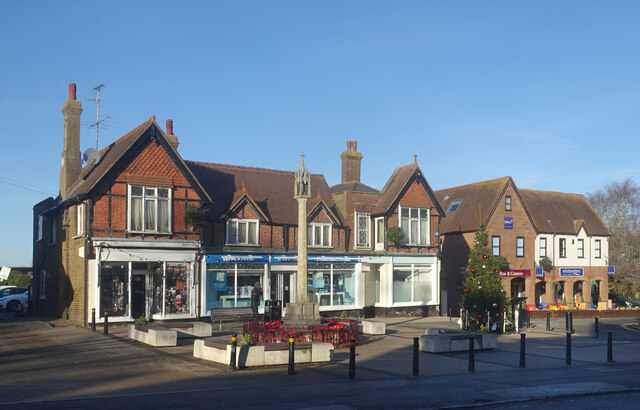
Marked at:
<point>302,187</point>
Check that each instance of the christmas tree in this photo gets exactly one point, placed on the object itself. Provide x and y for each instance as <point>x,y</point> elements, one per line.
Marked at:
<point>483,293</point>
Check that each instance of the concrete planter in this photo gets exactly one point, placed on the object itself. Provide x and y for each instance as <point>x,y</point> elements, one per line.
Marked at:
<point>152,335</point>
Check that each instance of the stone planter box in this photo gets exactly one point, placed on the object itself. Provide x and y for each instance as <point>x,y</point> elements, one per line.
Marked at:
<point>188,329</point>
<point>153,335</point>
<point>450,340</point>
<point>263,355</point>
<point>371,327</point>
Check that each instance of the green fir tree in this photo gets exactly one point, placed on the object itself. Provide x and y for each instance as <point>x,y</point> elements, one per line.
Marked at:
<point>482,288</point>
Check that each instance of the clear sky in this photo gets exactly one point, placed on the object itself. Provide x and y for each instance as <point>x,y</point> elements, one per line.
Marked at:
<point>546,91</point>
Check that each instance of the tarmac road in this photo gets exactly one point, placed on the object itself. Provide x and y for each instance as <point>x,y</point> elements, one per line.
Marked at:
<point>66,367</point>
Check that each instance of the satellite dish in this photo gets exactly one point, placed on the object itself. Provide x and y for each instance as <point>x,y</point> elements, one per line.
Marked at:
<point>91,156</point>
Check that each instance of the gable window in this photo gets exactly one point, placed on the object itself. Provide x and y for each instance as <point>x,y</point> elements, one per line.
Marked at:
<point>563,247</point>
<point>580,248</point>
<point>242,232</point>
<point>414,222</point>
<point>454,205</point>
<point>598,249</point>
<point>520,247</point>
<point>495,245</point>
<point>80,219</point>
<point>379,234</point>
<point>149,209</point>
<point>319,235</point>
<point>363,223</point>
<point>507,203</point>
<point>40,223</point>
<point>543,247</point>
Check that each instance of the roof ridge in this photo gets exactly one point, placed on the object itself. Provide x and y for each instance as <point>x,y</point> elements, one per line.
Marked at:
<point>259,169</point>
<point>550,192</point>
<point>474,183</point>
<point>150,120</point>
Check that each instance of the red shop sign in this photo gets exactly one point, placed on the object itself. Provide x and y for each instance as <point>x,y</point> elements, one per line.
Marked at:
<point>515,273</point>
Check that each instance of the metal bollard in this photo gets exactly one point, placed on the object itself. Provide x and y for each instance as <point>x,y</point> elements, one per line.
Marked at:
<point>597,330</point>
<point>548,321</point>
<point>472,359</point>
<point>566,320</point>
<point>568,359</point>
<point>571,323</point>
<point>609,346</point>
<point>93,319</point>
<point>416,359</point>
<point>292,361</point>
<point>106,322</point>
<point>522,351</point>
<point>234,347</point>
<point>352,359</point>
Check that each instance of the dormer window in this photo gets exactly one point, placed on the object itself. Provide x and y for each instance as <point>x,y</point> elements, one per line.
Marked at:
<point>149,209</point>
<point>319,235</point>
<point>454,205</point>
<point>242,232</point>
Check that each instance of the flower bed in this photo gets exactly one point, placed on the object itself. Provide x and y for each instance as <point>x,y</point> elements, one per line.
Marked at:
<point>338,332</point>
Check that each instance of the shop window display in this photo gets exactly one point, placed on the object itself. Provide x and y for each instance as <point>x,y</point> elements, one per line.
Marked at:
<point>114,287</point>
<point>177,288</point>
<point>331,284</point>
<point>412,284</point>
<point>229,284</point>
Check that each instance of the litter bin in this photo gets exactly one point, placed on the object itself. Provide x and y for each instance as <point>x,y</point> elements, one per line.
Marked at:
<point>272,310</point>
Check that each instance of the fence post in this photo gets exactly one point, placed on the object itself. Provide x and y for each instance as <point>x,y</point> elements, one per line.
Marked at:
<point>106,322</point>
<point>93,319</point>
<point>568,359</point>
<point>472,359</point>
<point>352,359</point>
<point>597,330</point>
<point>522,351</point>
<point>416,359</point>
<point>548,321</point>
<point>609,346</point>
<point>234,346</point>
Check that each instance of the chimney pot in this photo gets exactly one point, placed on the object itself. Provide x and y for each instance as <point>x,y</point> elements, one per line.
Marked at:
<point>348,145</point>
<point>415,159</point>
<point>169,127</point>
<point>355,146</point>
<point>72,91</point>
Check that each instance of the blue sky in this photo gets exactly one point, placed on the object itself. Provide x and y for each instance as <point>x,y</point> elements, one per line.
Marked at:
<point>544,91</point>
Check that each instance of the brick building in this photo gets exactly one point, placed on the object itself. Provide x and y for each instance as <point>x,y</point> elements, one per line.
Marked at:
<point>524,226</point>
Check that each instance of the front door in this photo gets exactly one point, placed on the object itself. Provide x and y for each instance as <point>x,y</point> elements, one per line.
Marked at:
<point>281,286</point>
<point>138,296</point>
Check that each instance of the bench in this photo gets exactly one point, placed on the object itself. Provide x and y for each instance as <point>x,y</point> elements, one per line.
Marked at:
<point>194,329</point>
<point>229,314</point>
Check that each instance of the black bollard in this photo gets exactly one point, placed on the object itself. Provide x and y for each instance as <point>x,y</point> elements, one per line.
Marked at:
<point>566,320</point>
<point>522,352</point>
<point>472,359</point>
<point>292,361</point>
<point>416,359</point>
<point>93,319</point>
<point>597,330</point>
<point>568,360</point>
<point>352,359</point>
<point>571,323</point>
<point>548,321</point>
<point>106,322</point>
<point>609,346</point>
<point>234,346</point>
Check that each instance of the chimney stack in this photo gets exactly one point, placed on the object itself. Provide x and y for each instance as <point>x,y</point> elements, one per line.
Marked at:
<point>71,164</point>
<point>173,140</point>
<point>351,160</point>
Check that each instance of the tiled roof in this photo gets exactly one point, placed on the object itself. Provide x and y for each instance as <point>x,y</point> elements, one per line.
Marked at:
<point>354,187</point>
<point>271,190</point>
<point>478,201</point>
<point>562,213</point>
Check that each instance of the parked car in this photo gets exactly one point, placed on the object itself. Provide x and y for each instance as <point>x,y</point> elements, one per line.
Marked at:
<point>621,300</point>
<point>14,299</point>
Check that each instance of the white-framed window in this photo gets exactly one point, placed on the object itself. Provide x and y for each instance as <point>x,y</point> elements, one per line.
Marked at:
<point>580,248</point>
<point>507,203</point>
<point>43,283</point>
<point>562,245</point>
<point>242,231</point>
<point>40,224</point>
<point>149,209</point>
<point>414,222</point>
<point>379,233</point>
<point>363,230</point>
<point>54,230</point>
<point>598,249</point>
<point>455,204</point>
<point>495,245</point>
<point>543,247</point>
<point>80,219</point>
<point>520,247</point>
<point>319,235</point>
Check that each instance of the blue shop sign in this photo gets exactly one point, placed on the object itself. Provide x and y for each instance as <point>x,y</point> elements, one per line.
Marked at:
<point>237,258</point>
<point>539,273</point>
<point>280,259</point>
<point>571,272</point>
<point>508,222</point>
<point>611,270</point>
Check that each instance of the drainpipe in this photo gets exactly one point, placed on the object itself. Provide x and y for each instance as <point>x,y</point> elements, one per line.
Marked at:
<point>87,227</point>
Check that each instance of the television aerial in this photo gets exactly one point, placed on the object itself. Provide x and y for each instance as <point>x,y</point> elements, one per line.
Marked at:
<point>91,156</point>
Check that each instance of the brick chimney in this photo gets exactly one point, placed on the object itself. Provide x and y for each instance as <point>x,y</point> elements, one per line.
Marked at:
<point>173,140</point>
<point>351,160</point>
<point>70,165</point>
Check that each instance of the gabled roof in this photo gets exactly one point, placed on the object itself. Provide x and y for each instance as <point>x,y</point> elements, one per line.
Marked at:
<point>111,155</point>
<point>397,184</point>
<point>562,213</point>
<point>241,198</point>
<point>271,190</point>
<point>478,202</point>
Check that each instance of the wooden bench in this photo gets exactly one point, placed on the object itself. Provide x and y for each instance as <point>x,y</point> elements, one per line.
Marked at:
<point>229,314</point>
